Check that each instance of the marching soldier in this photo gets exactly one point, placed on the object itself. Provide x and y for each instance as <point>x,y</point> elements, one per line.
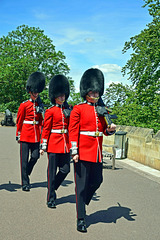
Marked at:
<point>29,122</point>
<point>86,130</point>
<point>55,138</point>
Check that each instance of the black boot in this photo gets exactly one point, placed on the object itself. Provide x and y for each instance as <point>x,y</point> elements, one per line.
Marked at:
<point>51,204</point>
<point>81,225</point>
<point>26,188</point>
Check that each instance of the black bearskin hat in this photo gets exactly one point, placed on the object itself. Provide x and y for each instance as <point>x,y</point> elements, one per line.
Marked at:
<point>58,85</point>
<point>35,82</point>
<point>92,80</point>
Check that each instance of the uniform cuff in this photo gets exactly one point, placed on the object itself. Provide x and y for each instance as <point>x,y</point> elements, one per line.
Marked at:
<point>74,148</point>
<point>18,136</point>
<point>43,145</point>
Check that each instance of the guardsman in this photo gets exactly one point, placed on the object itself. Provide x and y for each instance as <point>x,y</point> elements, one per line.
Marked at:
<point>55,138</point>
<point>86,131</point>
<point>29,123</point>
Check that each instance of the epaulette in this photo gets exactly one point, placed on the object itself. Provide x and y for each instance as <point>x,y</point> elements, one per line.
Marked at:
<point>25,101</point>
<point>51,106</point>
<point>81,103</point>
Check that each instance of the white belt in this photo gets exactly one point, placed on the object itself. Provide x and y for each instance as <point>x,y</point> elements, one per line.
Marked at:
<point>93,134</point>
<point>59,131</point>
<point>30,122</point>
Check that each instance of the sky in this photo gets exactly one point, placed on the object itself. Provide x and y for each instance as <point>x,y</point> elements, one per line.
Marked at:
<point>90,33</point>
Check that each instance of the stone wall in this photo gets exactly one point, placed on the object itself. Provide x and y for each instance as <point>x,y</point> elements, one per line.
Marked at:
<point>142,145</point>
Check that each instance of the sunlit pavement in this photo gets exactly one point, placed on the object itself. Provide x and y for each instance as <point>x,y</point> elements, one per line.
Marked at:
<point>126,206</point>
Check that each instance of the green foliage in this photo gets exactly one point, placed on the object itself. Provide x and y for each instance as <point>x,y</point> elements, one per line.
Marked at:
<point>74,97</point>
<point>153,8</point>
<point>22,52</point>
<point>117,94</point>
<point>143,67</point>
<point>142,107</point>
<point>125,104</point>
<point>10,105</point>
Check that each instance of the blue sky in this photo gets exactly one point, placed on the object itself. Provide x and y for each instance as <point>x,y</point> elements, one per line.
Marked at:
<point>91,33</point>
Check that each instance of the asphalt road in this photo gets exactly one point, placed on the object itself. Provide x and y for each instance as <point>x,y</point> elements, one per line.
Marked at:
<point>126,207</point>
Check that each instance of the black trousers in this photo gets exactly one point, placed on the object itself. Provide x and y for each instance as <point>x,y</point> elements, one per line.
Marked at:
<point>27,165</point>
<point>54,178</point>
<point>88,178</point>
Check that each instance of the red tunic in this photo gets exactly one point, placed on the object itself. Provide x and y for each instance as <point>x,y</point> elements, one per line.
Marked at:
<point>84,118</point>
<point>28,132</point>
<point>55,120</point>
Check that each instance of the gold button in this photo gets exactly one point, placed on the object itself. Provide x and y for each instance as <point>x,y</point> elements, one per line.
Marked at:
<point>62,131</point>
<point>34,122</point>
<point>96,134</point>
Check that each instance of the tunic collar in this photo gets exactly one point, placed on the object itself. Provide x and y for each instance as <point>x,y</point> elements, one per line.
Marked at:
<point>58,105</point>
<point>91,104</point>
<point>31,100</point>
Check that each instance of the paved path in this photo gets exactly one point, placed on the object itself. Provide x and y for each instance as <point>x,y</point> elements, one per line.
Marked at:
<point>126,207</point>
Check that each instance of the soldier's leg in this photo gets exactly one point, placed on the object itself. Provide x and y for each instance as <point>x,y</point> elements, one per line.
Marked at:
<point>51,175</point>
<point>94,181</point>
<point>64,168</point>
<point>24,155</point>
<point>81,169</point>
<point>34,156</point>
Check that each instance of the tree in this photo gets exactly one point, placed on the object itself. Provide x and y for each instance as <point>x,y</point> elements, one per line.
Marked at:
<point>117,94</point>
<point>124,102</point>
<point>143,69</point>
<point>120,99</point>
<point>23,51</point>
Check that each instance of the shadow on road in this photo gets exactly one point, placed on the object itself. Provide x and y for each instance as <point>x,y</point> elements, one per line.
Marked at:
<point>110,167</point>
<point>11,187</point>
<point>111,215</point>
<point>65,183</point>
<point>66,199</point>
<point>72,199</point>
<point>39,185</point>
